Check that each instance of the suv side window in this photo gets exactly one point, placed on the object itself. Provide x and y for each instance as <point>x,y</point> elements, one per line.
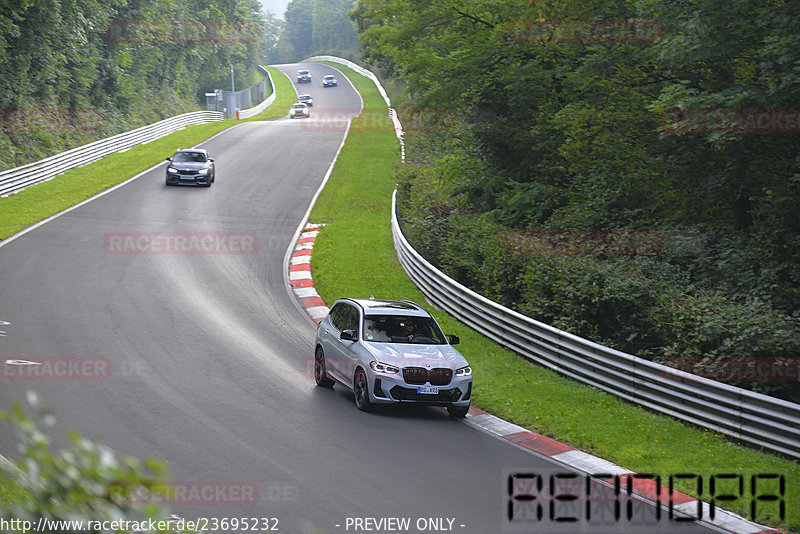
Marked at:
<point>352,319</point>
<point>338,316</point>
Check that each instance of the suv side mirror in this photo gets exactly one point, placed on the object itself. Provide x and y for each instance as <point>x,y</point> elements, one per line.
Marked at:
<point>453,339</point>
<point>348,335</point>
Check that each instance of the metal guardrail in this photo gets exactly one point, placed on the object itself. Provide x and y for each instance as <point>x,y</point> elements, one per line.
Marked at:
<point>18,178</point>
<point>760,420</point>
<point>267,102</point>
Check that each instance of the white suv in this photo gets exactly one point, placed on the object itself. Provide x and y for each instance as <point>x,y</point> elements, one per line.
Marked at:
<point>390,352</point>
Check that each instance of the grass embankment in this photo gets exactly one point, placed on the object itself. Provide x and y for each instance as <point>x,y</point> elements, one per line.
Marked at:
<point>43,200</point>
<point>354,256</point>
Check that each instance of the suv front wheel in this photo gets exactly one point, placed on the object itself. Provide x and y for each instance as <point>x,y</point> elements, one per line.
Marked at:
<point>361,391</point>
<point>458,411</point>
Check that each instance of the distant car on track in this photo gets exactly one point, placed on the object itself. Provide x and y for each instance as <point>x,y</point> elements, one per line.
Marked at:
<point>299,110</point>
<point>191,166</point>
<point>305,99</point>
<point>329,80</point>
<point>391,352</point>
<point>303,76</point>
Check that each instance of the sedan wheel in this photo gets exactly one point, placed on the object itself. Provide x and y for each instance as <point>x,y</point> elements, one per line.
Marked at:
<point>361,391</point>
<point>320,374</point>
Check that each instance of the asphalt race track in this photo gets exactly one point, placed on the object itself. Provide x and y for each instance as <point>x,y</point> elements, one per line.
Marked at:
<point>209,357</point>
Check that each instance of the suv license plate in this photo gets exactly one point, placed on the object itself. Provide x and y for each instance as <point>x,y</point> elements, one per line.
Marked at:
<point>427,390</point>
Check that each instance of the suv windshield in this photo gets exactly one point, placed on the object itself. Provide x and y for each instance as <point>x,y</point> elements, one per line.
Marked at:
<point>189,156</point>
<point>402,329</point>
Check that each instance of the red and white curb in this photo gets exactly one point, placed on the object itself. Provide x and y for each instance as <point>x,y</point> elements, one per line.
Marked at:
<point>300,274</point>
<point>590,465</point>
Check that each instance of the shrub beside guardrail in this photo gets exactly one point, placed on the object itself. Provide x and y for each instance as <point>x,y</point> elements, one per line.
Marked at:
<point>758,419</point>
<point>18,178</point>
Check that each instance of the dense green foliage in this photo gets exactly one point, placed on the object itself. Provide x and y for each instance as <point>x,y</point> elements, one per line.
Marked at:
<point>531,127</point>
<point>314,27</point>
<point>80,483</point>
<point>72,71</point>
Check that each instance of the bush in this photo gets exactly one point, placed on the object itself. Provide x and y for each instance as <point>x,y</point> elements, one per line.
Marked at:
<point>74,484</point>
<point>725,339</point>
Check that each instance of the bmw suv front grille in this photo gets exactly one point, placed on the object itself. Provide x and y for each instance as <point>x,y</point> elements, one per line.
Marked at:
<point>439,376</point>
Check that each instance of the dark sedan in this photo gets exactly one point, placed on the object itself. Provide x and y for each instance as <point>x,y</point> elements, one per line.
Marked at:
<point>191,166</point>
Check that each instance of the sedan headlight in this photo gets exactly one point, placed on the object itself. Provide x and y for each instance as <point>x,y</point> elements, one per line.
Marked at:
<point>202,171</point>
<point>464,371</point>
<point>172,170</point>
<point>383,367</point>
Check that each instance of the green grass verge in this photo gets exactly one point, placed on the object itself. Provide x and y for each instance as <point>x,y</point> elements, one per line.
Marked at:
<point>43,200</point>
<point>354,256</point>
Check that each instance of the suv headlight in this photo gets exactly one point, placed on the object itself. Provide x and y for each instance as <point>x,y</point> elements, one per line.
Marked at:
<point>464,371</point>
<point>383,367</point>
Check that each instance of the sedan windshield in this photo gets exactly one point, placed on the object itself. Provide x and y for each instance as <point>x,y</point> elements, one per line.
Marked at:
<point>402,329</point>
<point>189,156</point>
